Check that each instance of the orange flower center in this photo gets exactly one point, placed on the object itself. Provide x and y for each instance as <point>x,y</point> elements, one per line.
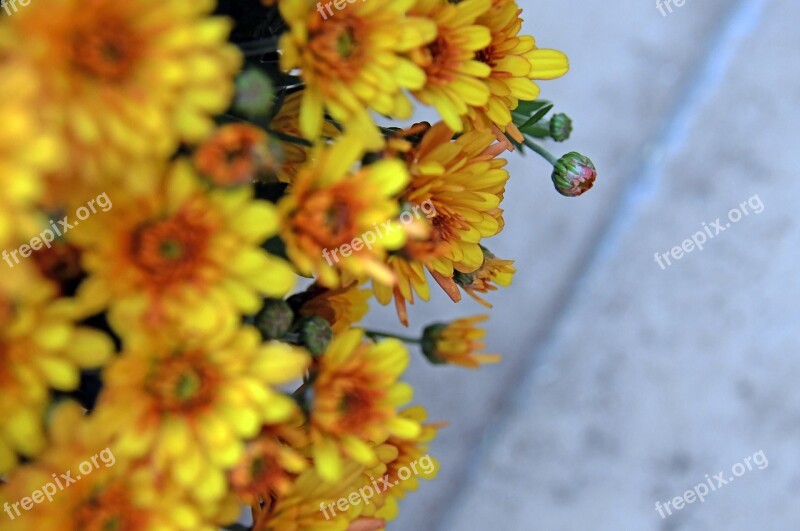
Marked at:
<point>173,250</point>
<point>183,383</point>
<point>487,56</point>
<point>106,49</point>
<point>439,59</point>
<point>335,44</point>
<point>110,510</point>
<point>327,217</point>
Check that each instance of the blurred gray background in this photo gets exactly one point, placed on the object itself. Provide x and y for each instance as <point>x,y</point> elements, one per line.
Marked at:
<point>624,384</point>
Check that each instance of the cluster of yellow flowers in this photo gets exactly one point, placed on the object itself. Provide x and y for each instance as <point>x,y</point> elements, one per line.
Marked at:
<point>202,328</point>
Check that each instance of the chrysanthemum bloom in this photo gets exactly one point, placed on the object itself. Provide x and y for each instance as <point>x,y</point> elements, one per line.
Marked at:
<point>192,404</point>
<point>483,280</point>
<point>403,463</point>
<point>287,121</point>
<point>40,349</point>
<point>514,61</point>
<point>457,343</point>
<point>465,181</point>
<point>454,75</point>
<point>126,80</point>
<point>182,255</point>
<point>341,307</point>
<point>356,397</point>
<point>332,210</point>
<point>353,61</point>
<point>104,491</point>
<point>311,503</point>
<point>271,461</point>
<point>26,149</point>
<point>235,154</point>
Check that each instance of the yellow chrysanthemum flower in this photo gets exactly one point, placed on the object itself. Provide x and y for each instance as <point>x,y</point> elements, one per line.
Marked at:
<point>457,343</point>
<point>125,80</point>
<point>342,307</point>
<point>514,61</point>
<point>465,181</point>
<point>454,76</point>
<point>271,461</point>
<point>91,488</point>
<point>493,271</point>
<point>403,463</point>
<point>356,397</point>
<point>185,254</point>
<point>191,405</point>
<point>306,506</point>
<point>352,62</point>
<point>331,210</point>
<point>26,150</point>
<point>40,349</point>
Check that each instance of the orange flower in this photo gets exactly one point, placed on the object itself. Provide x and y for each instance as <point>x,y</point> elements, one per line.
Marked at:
<point>457,343</point>
<point>125,80</point>
<point>353,62</point>
<point>235,154</point>
<point>493,270</point>
<point>515,61</point>
<point>454,78</point>
<point>332,207</point>
<point>342,307</point>
<point>184,256</point>
<point>356,396</point>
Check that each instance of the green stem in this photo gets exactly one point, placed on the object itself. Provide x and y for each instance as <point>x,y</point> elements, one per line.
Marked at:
<point>373,334</point>
<point>541,151</point>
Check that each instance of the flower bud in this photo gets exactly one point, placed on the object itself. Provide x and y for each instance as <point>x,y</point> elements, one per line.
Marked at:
<point>560,127</point>
<point>430,338</point>
<point>315,334</point>
<point>573,174</point>
<point>275,319</point>
<point>254,93</point>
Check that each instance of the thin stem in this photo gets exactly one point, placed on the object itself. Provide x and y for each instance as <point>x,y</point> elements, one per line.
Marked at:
<point>541,151</point>
<point>373,334</point>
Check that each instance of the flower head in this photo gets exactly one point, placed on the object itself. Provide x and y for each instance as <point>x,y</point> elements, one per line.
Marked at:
<point>235,154</point>
<point>353,62</point>
<point>341,307</point>
<point>185,255</point>
<point>122,86</point>
<point>483,280</point>
<point>574,174</point>
<point>515,61</point>
<point>457,343</point>
<point>454,75</point>
<point>41,348</point>
<point>331,209</point>
<point>191,404</point>
<point>356,396</point>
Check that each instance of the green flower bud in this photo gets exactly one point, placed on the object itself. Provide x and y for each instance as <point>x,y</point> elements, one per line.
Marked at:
<point>573,174</point>
<point>254,93</point>
<point>275,319</point>
<point>560,127</point>
<point>315,334</point>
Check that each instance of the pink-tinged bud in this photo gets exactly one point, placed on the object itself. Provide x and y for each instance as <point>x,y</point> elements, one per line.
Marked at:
<point>573,174</point>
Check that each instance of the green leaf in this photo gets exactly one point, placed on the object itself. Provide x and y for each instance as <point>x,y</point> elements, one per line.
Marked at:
<point>526,108</point>
<point>537,117</point>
